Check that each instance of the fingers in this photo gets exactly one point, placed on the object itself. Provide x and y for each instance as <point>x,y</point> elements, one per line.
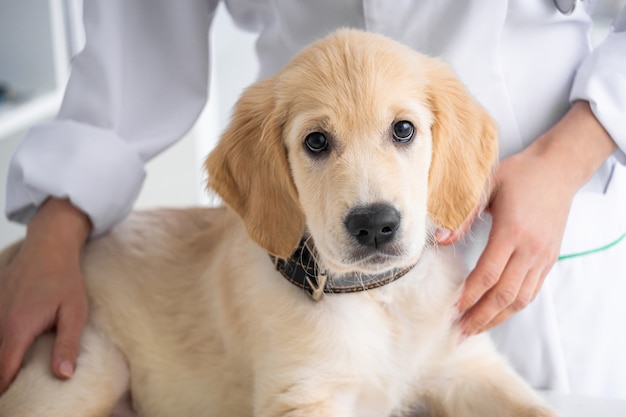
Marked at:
<point>500,286</point>
<point>71,321</point>
<point>527,293</point>
<point>17,336</point>
<point>30,306</point>
<point>487,273</point>
<point>526,296</point>
<point>492,293</point>
<point>15,342</point>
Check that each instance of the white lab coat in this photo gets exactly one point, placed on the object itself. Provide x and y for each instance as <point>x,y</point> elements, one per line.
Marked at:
<point>141,82</point>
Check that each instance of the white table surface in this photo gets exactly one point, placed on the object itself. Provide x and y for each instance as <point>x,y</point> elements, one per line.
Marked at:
<point>578,406</point>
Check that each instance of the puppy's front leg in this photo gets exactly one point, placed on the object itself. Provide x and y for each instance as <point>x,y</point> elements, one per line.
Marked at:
<point>477,382</point>
<point>305,398</point>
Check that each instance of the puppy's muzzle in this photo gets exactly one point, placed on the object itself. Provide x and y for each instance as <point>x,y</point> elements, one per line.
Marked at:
<point>374,225</point>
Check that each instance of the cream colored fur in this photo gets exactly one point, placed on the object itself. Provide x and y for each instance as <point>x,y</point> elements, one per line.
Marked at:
<point>188,312</point>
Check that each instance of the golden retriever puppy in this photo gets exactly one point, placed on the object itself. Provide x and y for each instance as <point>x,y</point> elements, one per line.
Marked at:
<point>317,291</point>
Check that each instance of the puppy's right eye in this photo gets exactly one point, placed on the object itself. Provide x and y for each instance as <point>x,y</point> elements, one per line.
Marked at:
<point>316,142</point>
<point>403,131</point>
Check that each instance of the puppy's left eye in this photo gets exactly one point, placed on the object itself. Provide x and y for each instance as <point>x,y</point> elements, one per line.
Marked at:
<point>403,131</point>
<point>316,142</point>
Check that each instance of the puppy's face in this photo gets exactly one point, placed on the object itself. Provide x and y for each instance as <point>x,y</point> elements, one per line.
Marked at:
<point>361,143</point>
<point>359,146</point>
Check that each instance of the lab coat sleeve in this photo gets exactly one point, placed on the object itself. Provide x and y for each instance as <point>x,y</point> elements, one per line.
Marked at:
<point>138,85</point>
<point>601,80</point>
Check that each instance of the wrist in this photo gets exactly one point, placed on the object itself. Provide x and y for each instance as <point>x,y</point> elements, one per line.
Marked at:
<point>60,223</point>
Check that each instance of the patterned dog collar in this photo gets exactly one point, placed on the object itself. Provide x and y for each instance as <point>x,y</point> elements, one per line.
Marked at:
<point>302,270</point>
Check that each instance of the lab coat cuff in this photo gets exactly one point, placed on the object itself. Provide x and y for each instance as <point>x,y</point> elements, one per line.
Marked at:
<point>601,80</point>
<point>96,170</point>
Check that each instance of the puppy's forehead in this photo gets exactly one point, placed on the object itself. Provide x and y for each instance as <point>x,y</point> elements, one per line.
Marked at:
<point>356,76</point>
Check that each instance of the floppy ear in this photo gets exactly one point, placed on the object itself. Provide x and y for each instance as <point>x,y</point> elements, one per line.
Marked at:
<point>249,170</point>
<point>464,149</point>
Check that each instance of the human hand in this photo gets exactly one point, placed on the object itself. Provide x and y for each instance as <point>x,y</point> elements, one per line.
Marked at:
<point>529,208</point>
<point>43,289</point>
<point>530,202</point>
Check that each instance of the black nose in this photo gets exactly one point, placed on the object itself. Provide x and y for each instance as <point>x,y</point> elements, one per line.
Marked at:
<point>373,225</point>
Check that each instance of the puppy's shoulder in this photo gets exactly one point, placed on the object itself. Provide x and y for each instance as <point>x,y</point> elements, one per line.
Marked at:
<point>177,233</point>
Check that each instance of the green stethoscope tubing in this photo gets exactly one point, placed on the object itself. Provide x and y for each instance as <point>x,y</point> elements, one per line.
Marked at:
<point>592,251</point>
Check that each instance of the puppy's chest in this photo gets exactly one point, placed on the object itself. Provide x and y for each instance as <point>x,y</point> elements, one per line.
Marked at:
<point>411,323</point>
<point>368,348</point>
<point>390,341</point>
